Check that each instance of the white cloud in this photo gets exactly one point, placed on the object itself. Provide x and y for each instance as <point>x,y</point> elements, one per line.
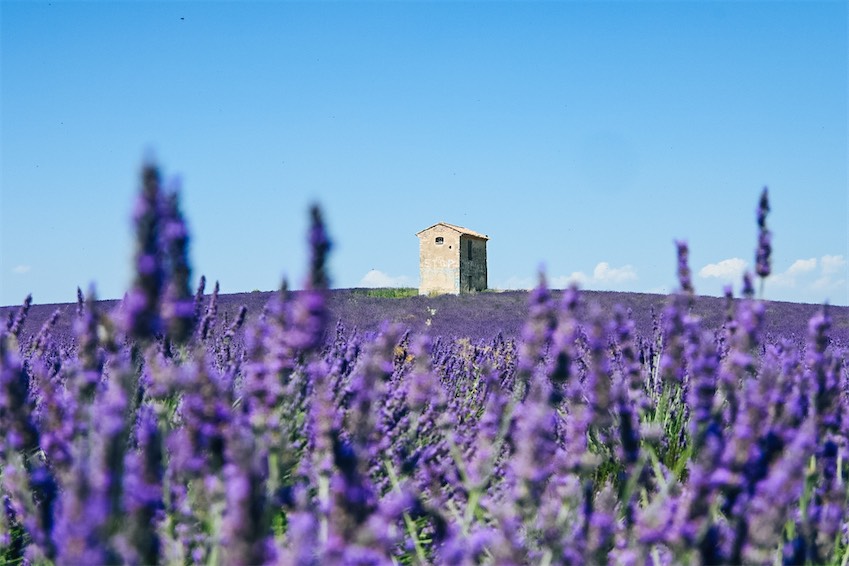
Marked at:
<point>808,280</point>
<point>832,264</point>
<point>803,266</point>
<point>603,273</point>
<point>578,278</point>
<point>826,284</point>
<point>794,275</point>
<point>21,269</point>
<point>375,278</point>
<point>727,269</point>
<point>802,281</point>
<point>832,279</point>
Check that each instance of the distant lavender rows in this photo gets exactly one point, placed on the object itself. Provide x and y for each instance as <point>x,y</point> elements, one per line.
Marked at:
<point>477,317</point>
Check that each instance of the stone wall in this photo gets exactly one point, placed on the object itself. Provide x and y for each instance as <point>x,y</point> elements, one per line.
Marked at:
<point>451,262</point>
<point>439,265</point>
<point>472,264</point>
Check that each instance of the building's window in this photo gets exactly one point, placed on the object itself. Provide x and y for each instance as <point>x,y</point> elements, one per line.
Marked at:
<point>469,247</point>
<point>440,240</point>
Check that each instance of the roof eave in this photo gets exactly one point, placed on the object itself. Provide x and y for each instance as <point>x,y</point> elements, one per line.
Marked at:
<point>459,229</point>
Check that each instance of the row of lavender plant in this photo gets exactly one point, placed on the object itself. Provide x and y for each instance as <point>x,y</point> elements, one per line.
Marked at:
<point>160,439</point>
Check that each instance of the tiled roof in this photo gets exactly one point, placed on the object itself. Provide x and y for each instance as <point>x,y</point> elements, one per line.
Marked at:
<point>458,229</point>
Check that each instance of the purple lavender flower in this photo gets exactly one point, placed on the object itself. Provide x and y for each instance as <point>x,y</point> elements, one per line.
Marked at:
<point>563,351</point>
<point>827,510</point>
<point>627,413</point>
<point>739,364</point>
<point>307,319</point>
<point>775,497</point>
<point>823,371</point>
<point>39,347</point>
<point>80,301</point>
<point>197,447</point>
<point>178,307</point>
<point>302,319</point>
<point>32,495</point>
<point>8,523</point>
<point>684,277</point>
<point>302,543</point>
<point>79,531</point>
<point>319,247</point>
<point>230,334</point>
<point>598,379</point>
<point>57,420</point>
<point>352,504</point>
<point>367,389</point>
<point>245,525</point>
<point>16,324</point>
<point>672,366</point>
<point>90,353</point>
<point>423,387</point>
<point>536,333</point>
<point>113,410</point>
<point>703,360</point>
<point>210,316</point>
<point>762,257</point>
<point>141,306</point>
<point>471,549</point>
<point>629,360</point>
<point>261,390</point>
<point>535,441</point>
<point>92,510</point>
<point>488,442</point>
<point>143,496</point>
<point>19,433</point>
<point>199,297</point>
<point>748,288</point>
<point>601,525</point>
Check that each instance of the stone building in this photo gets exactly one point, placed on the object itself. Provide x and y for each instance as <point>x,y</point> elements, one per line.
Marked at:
<point>452,259</point>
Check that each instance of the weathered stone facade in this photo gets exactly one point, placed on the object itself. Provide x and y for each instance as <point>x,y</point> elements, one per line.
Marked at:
<point>452,259</point>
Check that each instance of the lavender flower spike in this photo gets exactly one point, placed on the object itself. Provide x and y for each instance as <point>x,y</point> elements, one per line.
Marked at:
<point>199,297</point>
<point>143,497</point>
<point>684,277</point>
<point>142,320</point>
<point>14,326</point>
<point>309,311</point>
<point>80,301</point>
<point>178,307</point>
<point>320,246</point>
<point>762,266</point>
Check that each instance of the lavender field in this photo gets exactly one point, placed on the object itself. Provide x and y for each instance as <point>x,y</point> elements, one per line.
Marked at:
<point>477,317</point>
<point>333,427</point>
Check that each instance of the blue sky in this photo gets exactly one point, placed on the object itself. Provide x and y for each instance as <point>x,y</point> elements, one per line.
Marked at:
<point>581,137</point>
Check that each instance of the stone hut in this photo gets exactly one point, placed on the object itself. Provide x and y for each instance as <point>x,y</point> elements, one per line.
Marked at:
<point>452,259</point>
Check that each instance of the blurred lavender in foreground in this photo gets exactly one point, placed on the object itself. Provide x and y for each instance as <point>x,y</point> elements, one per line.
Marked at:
<point>142,320</point>
<point>175,437</point>
<point>178,306</point>
<point>160,301</point>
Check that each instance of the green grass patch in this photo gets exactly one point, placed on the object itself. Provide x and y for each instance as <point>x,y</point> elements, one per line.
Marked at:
<point>389,292</point>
